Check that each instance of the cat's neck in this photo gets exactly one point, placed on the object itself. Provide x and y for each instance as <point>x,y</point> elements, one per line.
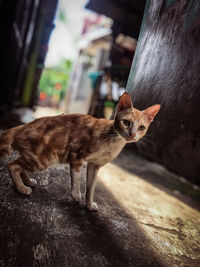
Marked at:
<point>108,143</point>
<point>111,134</point>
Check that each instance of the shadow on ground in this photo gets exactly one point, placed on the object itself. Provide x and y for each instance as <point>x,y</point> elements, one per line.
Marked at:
<point>48,229</point>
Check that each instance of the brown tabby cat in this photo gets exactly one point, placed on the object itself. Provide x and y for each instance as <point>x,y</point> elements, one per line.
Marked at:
<point>73,139</point>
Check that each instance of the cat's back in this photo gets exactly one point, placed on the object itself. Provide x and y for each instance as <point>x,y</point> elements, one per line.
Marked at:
<point>45,125</point>
<point>52,131</point>
<point>47,139</point>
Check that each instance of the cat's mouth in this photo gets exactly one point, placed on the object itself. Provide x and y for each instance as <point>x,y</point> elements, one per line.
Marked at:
<point>130,139</point>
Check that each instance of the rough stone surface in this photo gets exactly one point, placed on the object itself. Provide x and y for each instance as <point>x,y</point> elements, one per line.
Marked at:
<point>166,71</point>
<point>143,219</point>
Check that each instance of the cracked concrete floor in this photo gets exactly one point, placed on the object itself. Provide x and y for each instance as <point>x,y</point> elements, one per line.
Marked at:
<point>147,217</point>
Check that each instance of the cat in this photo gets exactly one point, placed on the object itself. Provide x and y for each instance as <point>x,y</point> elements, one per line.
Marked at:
<point>73,139</point>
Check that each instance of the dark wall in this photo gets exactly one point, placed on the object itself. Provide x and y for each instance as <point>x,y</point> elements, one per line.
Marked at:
<point>166,71</point>
<point>17,23</point>
<point>26,26</point>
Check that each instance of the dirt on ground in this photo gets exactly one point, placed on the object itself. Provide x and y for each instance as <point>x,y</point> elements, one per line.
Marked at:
<point>147,216</point>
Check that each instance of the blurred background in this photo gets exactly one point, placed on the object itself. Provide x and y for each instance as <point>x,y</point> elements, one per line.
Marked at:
<point>68,56</point>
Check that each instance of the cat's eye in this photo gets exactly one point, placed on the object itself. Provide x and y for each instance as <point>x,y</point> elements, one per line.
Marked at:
<point>141,128</point>
<point>126,123</point>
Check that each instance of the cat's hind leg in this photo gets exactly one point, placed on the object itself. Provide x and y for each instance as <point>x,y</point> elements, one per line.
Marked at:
<point>15,171</point>
<point>75,184</point>
<point>28,181</point>
<point>92,171</point>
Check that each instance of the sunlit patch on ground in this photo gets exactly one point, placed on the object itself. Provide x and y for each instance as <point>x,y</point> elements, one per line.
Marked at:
<point>172,226</point>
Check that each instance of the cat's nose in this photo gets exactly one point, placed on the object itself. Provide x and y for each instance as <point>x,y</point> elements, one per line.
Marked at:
<point>133,135</point>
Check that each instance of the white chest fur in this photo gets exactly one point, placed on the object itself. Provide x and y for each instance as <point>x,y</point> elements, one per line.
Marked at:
<point>107,152</point>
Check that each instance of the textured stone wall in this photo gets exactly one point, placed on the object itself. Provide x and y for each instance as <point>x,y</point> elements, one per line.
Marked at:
<point>166,71</point>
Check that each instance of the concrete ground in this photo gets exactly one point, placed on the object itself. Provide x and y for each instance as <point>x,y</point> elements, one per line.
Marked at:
<point>147,217</point>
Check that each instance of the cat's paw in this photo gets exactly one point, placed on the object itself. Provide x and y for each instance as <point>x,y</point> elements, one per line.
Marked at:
<point>92,207</point>
<point>26,190</point>
<point>76,196</point>
<point>33,182</point>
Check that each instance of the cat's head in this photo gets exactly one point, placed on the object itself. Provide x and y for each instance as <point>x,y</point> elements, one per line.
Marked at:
<point>132,124</point>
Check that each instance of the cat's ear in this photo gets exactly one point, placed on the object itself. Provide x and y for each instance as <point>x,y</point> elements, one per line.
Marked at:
<point>125,102</point>
<point>151,112</point>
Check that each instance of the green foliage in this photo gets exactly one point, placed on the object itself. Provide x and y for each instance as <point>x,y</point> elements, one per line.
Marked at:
<point>62,15</point>
<point>52,76</point>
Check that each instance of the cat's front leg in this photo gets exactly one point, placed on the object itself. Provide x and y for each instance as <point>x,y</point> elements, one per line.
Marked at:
<point>75,184</point>
<point>91,178</point>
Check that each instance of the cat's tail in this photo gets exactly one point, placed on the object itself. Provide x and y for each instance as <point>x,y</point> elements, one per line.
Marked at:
<point>6,140</point>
